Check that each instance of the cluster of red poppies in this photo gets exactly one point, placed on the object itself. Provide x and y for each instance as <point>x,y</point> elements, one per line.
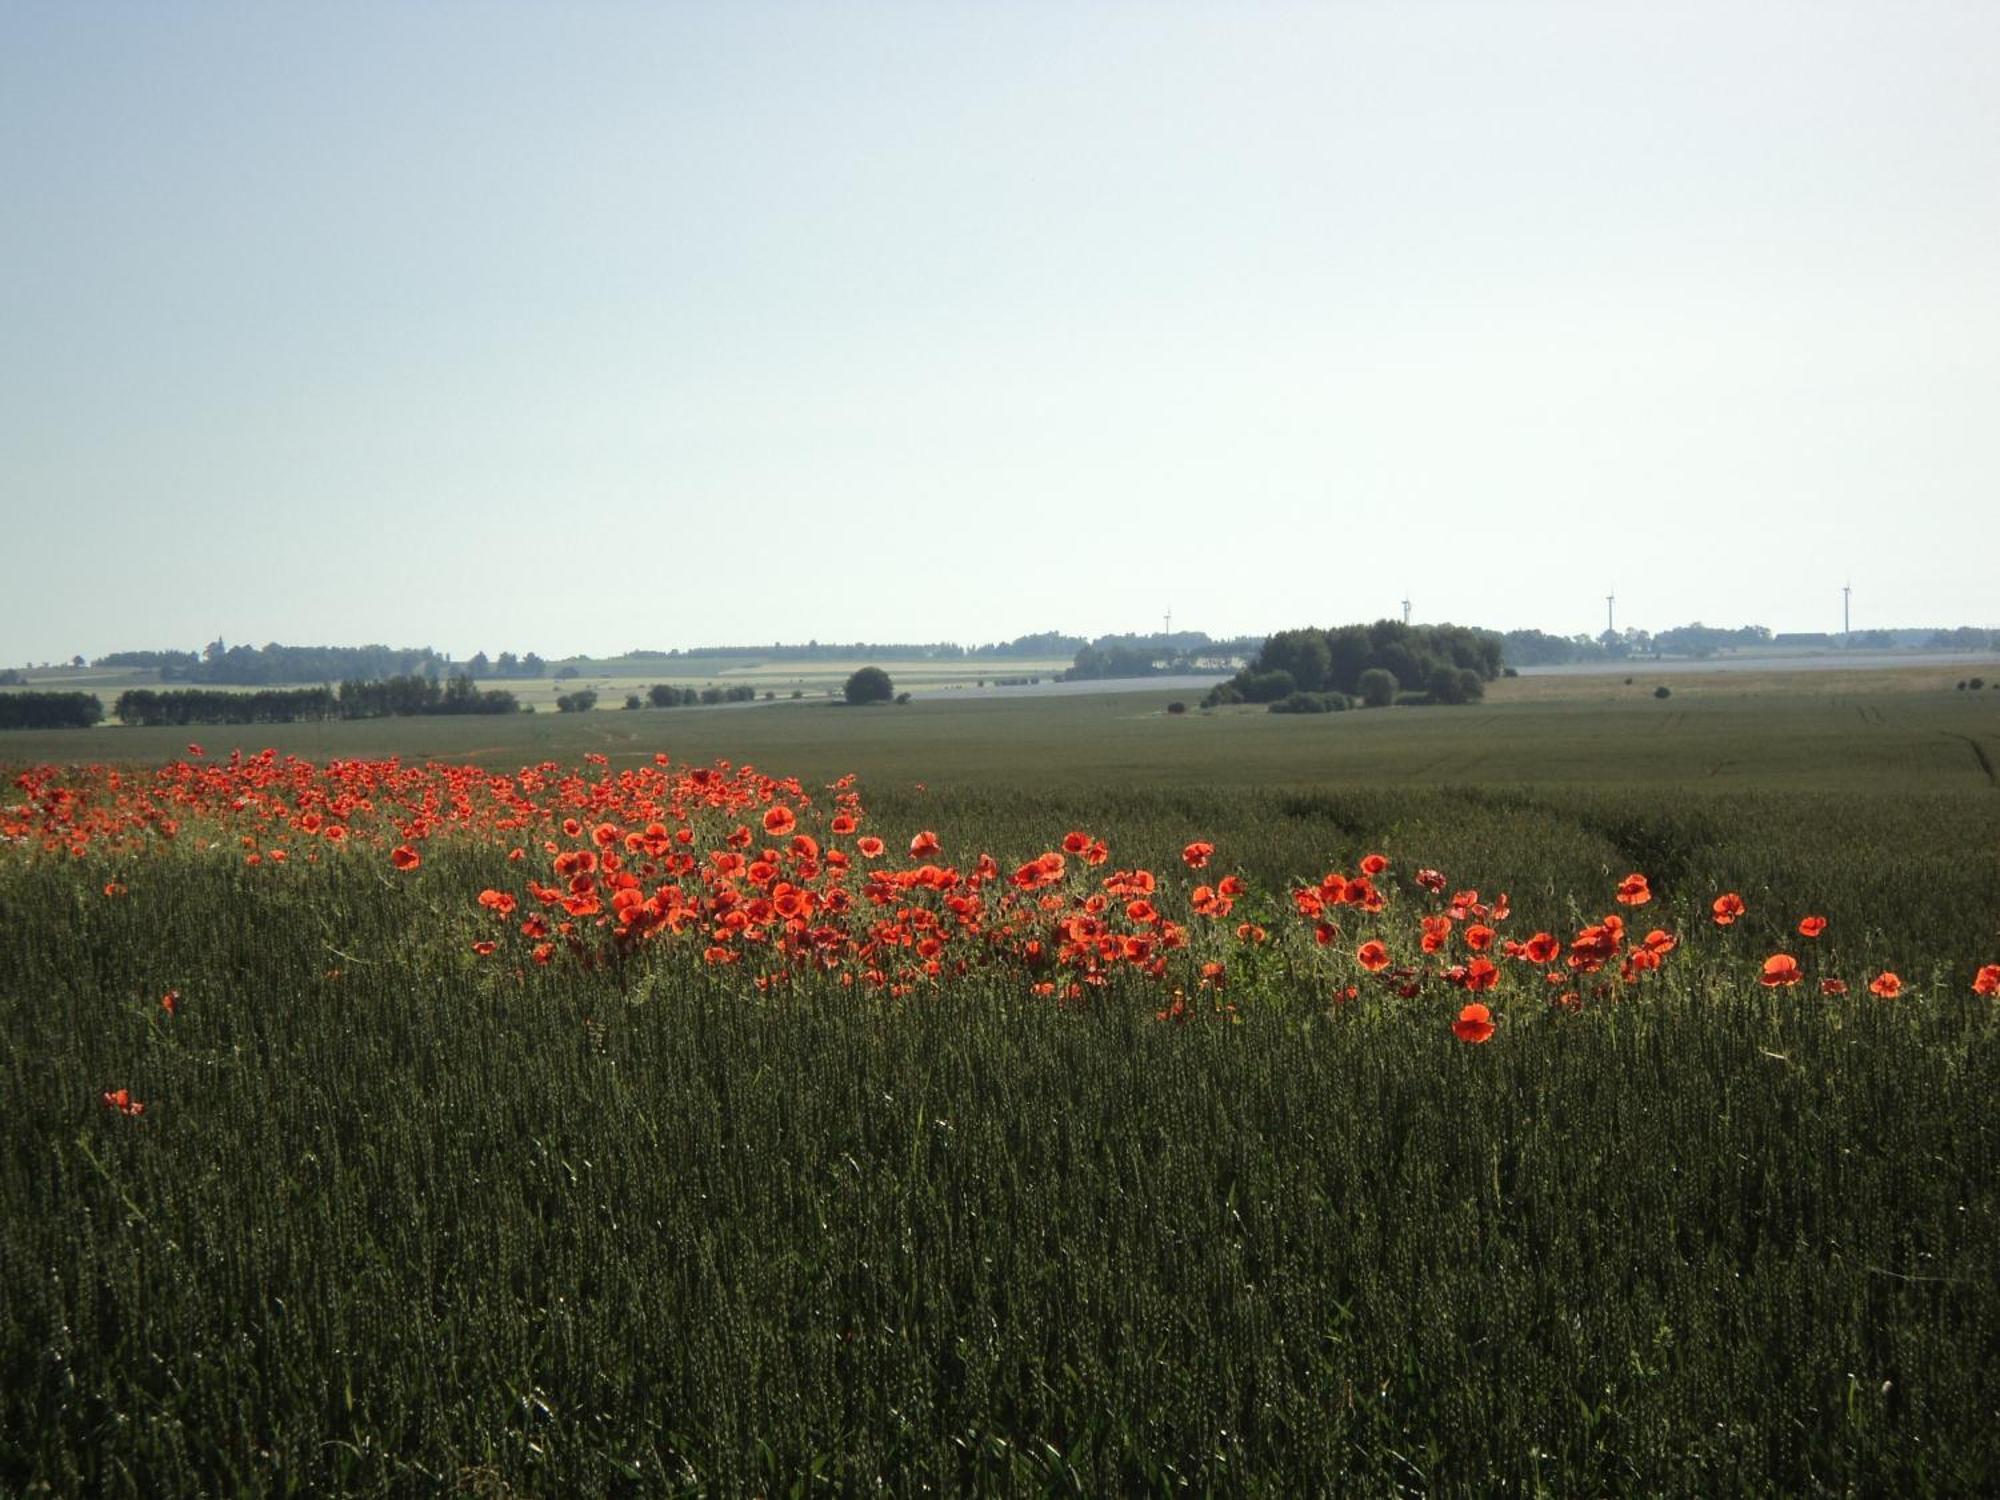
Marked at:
<point>736,868</point>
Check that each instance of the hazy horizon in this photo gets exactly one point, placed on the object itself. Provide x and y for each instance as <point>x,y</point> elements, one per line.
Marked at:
<point>574,330</point>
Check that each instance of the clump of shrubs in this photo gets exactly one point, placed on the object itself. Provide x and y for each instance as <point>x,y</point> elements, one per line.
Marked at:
<point>1177,707</point>
<point>583,700</point>
<point>1311,703</point>
<point>1663,691</point>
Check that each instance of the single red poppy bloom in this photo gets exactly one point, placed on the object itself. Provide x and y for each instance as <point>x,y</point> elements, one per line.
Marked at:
<point>170,1002</point>
<point>1196,855</point>
<point>1542,948</point>
<point>1987,981</point>
<point>403,857</point>
<point>779,821</point>
<point>1373,956</point>
<point>1727,908</point>
<point>869,846</point>
<point>1374,864</point>
<point>1887,984</point>
<point>1811,927</point>
<point>1780,969</point>
<point>1634,891</point>
<point>1474,1024</point>
<point>1833,986</point>
<point>924,843</point>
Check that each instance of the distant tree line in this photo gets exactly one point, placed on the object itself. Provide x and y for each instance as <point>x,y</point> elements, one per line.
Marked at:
<point>1378,663</point>
<point>506,665</point>
<point>1155,655</point>
<point>50,710</point>
<point>400,696</point>
<point>393,697</point>
<point>152,708</point>
<point>661,695</point>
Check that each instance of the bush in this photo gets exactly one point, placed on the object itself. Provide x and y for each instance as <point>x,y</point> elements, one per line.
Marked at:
<point>632,700</point>
<point>1177,707</point>
<point>578,702</point>
<point>1378,688</point>
<point>564,674</point>
<point>1268,687</point>
<point>902,697</point>
<point>1663,691</point>
<point>1447,684</point>
<point>870,685</point>
<point>1510,671</point>
<point>1977,683</point>
<point>1222,695</point>
<point>1311,703</point>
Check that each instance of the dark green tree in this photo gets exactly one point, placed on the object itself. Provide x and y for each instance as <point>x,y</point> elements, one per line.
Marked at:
<point>870,685</point>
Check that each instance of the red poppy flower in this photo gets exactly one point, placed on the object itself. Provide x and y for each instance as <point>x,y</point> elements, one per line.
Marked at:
<point>779,821</point>
<point>869,846</point>
<point>1811,927</point>
<point>1727,908</point>
<point>1887,984</point>
<point>1474,1024</point>
<point>1987,981</point>
<point>122,1101</point>
<point>1374,864</point>
<point>842,824</point>
<point>1478,938</point>
<point>1372,956</point>
<point>1196,855</point>
<point>1431,880</point>
<point>1833,986</point>
<point>1780,969</point>
<point>1542,948</point>
<point>1634,891</point>
<point>170,1002</point>
<point>924,843</point>
<point>403,857</point>
<point>1481,975</point>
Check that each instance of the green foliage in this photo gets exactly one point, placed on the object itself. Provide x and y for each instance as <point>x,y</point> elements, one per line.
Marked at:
<point>50,710</point>
<point>1266,687</point>
<point>1449,663</point>
<point>1663,691</point>
<point>1377,687</point>
<point>869,685</point>
<point>1311,703</point>
<point>583,700</point>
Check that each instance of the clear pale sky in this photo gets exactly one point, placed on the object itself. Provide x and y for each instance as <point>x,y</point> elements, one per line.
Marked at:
<point>585,327</point>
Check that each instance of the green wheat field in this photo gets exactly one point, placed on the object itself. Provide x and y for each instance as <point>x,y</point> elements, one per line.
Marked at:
<point>399,1218</point>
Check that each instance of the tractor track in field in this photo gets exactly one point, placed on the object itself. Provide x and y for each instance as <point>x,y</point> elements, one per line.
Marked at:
<point>1979,754</point>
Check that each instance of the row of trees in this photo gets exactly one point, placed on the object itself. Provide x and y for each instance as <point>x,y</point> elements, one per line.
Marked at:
<point>662,695</point>
<point>1445,663</point>
<point>1155,655</point>
<point>183,706</point>
<point>391,698</point>
<point>50,710</point>
<point>399,696</point>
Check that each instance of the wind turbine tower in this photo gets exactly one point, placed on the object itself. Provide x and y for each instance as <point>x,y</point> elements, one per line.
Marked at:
<point>1168,623</point>
<point>1846,620</point>
<point>1611,614</point>
<point>1406,606</point>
